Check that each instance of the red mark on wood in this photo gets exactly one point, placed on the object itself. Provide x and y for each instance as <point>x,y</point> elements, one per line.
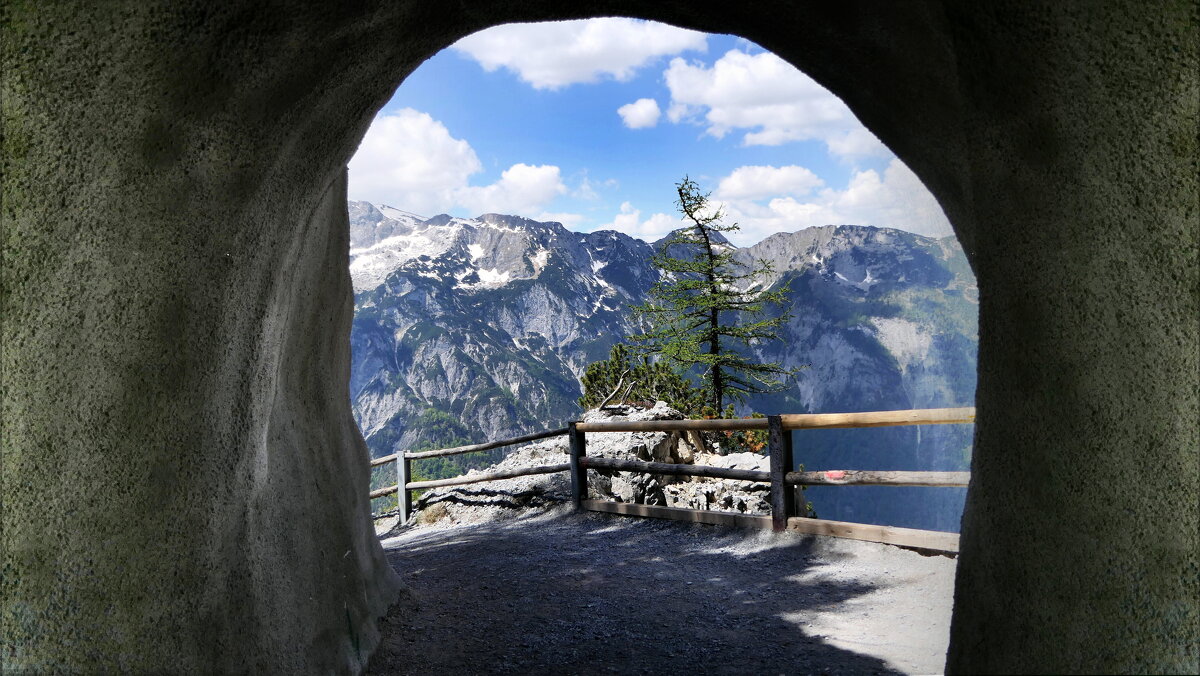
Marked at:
<point>835,474</point>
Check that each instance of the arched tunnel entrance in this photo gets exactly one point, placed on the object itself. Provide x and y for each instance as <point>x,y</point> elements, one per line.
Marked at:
<point>478,323</point>
<point>176,305</point>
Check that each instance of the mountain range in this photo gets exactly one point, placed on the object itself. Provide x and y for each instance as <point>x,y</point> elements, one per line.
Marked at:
<point>468,330</point>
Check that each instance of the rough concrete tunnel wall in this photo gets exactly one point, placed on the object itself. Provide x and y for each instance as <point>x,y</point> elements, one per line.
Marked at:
<point>182,479</point>
<point>184,486</point>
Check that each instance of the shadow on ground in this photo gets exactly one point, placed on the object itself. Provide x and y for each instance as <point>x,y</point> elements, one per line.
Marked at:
<point>596,594</point>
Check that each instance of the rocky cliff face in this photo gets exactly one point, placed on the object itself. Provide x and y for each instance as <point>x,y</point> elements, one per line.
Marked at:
<point>475,329</point>
<point>478,329</point>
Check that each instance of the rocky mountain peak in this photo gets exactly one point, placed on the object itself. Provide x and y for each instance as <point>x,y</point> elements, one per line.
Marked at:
<point>470,329</point>
<point>717,238</point>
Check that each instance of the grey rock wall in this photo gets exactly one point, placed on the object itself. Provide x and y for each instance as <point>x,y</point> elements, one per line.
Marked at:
<point>164,276</point>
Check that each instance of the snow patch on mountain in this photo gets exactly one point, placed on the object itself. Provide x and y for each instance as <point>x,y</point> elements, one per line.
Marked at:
<point>398,214</point>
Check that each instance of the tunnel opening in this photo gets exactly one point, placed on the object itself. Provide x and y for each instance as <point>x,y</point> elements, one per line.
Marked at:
<point>891,311</point>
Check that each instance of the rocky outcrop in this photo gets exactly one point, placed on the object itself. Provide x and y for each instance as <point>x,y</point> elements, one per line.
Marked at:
<point>513,498</point>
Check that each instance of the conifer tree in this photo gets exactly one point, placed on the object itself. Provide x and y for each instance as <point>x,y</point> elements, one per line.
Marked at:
<point>707,304</point>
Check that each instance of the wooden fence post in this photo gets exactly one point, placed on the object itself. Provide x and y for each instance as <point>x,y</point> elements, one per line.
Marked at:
<point>578,471</point>
<point>403,477</point>
<point>783,500</point>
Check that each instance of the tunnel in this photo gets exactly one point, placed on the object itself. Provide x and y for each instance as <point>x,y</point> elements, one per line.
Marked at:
<point>184,489</point>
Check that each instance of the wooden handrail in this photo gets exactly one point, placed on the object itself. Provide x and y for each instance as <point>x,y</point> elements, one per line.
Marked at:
<point>920,416</point>
<point>383,460</point>
<point>793,421</point>
<point>457,450</point>
<point>387,490</point>
<point>828,478</point>
<point>472,479</point>
<point>713,425</point>
<point>487,476</point>
<point>674,469</point>
<point>864,478</point>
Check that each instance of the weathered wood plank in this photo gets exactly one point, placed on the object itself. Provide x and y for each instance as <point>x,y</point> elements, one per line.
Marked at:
<point>852,477</point>
<point>473,448</point>
<point>904,537</point>
<point>795,421</point>
<point>671,469</point>
<point>383,460</point>
<point>678,514</point>
<point>674,425</point>
<point>920,416</point>
<point>387,490</point>
<point>783,502</point>
<point>487,476</point>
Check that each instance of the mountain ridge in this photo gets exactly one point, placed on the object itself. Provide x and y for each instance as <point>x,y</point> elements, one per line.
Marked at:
<point>474,329</point>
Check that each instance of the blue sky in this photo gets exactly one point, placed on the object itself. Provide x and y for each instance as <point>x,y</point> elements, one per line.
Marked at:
<point>591,123</point>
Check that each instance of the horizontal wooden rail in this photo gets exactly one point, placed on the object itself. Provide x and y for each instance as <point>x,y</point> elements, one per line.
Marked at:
<point>892,535</point>
<point>714,425</point>
<point>904,537</point>
<point>484,447</point>
<point>715,518</point>
<point>383,460</point>
<point>826,478</point>
<point>863,478</point>
<point>387,490</point>
<point>487,476</point>
<point>674,469</point>
<point>794,421</point>
<point>920,416</point>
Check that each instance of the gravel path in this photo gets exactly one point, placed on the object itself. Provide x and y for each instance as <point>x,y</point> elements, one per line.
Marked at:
<point>556,592</point>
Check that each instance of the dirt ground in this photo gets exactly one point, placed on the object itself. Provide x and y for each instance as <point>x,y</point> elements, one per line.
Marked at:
<point>563,593</point>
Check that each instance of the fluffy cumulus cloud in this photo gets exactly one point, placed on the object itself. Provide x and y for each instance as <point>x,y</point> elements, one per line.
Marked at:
<point>751,183</point>
<point>409,160</point>
<point>640,114</point>
<point>652,228</point>
<point>894,199</point>
<point>766,99</point>
<point>571,221</point>
<point>522,189</point>
<point>554,55</point>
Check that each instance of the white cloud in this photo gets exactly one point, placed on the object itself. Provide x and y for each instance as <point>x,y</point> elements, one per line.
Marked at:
<point>522,189</point>
<point>895,199</point>
<point>757,182</point>
<point>556,54</point>
<point>629,221</point>
<point>768,99</point>
<point>640,114</point>
<point>586,190</point>
<point>571,221</point>
<point>409,160</point>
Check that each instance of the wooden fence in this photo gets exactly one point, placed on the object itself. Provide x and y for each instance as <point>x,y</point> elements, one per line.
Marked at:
<point>781,476</point>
